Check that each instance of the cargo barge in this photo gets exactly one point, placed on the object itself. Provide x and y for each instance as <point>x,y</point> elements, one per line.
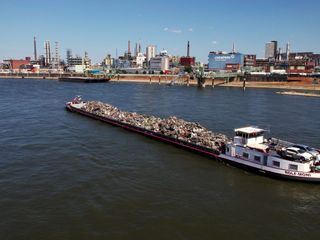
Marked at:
<point>248,150</point>
<point>77,108</point>
<point>84,79</point>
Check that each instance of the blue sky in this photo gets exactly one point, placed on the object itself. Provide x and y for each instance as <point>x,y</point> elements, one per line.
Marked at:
<point>100,27</point>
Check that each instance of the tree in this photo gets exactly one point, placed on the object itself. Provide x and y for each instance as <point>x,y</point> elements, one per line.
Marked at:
<point>188,69</point>
<point>199,74</point>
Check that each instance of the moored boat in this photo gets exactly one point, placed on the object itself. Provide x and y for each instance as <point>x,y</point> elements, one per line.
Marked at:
<point>84,79</point>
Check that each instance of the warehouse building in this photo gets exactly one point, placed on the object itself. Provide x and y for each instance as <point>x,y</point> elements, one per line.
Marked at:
<point>225,61</point>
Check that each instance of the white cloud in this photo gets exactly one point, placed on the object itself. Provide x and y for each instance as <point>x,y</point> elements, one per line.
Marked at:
<point>190,30</point>
<point>214,42</point>
<point>172,30</point>
<point>176,31</point>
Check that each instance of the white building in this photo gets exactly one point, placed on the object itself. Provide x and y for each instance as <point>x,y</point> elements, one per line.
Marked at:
<point>77,68</point>
<point>151,52</point>
<point>160,63</point>
<point>140,59</point>
<point>108,61</point>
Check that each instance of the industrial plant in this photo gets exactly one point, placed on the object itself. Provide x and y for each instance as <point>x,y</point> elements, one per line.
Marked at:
<point>151,60</point>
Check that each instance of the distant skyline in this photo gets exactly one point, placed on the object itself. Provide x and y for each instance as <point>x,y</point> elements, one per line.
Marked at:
<point>100,27</point>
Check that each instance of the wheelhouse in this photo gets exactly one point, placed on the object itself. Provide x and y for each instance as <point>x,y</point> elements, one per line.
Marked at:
<point>249,135</point>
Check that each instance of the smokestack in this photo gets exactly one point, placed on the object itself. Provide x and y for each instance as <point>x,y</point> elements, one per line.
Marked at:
<point>279,54</point>
<point>188,50</point>
<point>287,51</point>
<point>233,48</point>
<point>57,57</point>
<point>35,49</point>
<point>47,50</point>
<point>136,49</point>
<point>129,47</point>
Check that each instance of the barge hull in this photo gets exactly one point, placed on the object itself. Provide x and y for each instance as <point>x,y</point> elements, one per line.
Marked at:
<point>184,145</point>
<point>266,173</point>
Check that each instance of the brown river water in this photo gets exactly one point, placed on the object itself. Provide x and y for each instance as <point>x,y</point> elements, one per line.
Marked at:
<point>65,176</point>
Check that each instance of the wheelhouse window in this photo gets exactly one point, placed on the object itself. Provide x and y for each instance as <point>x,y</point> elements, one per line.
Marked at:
<point>249,135</point>
<point>276,163</point>
<point>228,149</point>
<point>245,155</point>
<point>257,158</point>
<point>293,167</point>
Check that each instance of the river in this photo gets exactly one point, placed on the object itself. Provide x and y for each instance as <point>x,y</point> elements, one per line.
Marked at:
<point>65,176</point>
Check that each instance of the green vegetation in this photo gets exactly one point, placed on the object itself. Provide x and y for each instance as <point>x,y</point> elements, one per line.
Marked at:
<point>188,69</point>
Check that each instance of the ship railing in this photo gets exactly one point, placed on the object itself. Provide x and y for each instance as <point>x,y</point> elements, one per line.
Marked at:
<point>278,143</point>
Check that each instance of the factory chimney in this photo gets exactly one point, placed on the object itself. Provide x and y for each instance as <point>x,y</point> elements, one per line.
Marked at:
<point>35,49</point>
<point>287,51</point>
<point>57,57</point>
<point>129,48</point>
<point>188,50</point>
<point>136,49</point>
<point>233,48</point>
<point>47,50</point>
<point>279,54</point>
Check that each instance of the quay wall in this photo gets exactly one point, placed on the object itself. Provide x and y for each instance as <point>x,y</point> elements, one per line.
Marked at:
<point>257,81</point>
<point>39,75</point>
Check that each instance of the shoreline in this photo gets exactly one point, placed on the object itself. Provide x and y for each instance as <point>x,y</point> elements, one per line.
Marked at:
<point>273,85</point>
<point>166,79</point>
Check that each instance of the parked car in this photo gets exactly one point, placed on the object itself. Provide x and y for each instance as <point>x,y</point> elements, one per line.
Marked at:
<point>306,148</point>
<point>295,153</point>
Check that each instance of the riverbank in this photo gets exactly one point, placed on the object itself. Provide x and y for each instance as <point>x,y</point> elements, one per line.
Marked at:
<point>274,85</point>
<point>168,79</point>
<point>218,82</point>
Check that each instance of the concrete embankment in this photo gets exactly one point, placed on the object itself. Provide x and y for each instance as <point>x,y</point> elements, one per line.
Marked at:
<point>167,79</point>
<point>159,79</point>
<point>274,85</point>
<point>51,76</point>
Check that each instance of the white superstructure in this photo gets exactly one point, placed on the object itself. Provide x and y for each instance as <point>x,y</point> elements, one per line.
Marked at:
<point>250,149</point>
